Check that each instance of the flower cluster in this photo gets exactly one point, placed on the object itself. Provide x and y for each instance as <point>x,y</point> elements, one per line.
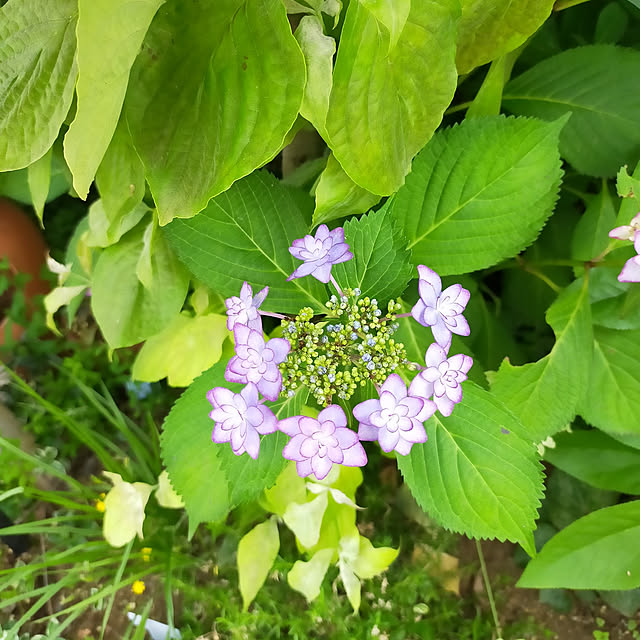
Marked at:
<point>631,270</point>
<point>351,347</point>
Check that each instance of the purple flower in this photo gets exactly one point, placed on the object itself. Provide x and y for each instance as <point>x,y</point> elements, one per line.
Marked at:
<point>631,270</point>
<point>441,378</point>
<point>395,420</point>
<point>317,444</point>
<point>256,361</point>
<point>240,419</point>
<point>440,310</point>
<point>320,253</point>
<point>244,309</point>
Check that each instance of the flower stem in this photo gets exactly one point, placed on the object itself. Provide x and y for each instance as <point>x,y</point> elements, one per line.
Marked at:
<point>487,586</point>
<point>403,315</point>
<point>272,315</point>
<point>335,284</point>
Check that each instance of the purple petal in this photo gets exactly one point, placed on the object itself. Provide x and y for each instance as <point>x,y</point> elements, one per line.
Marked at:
<point>435,355</point>
<point>259,297</point>
<point>335,454</point>
<point>220,435</point>
<point>291,450</point>
<point>309,447</point>
<point>322,273</point>
<point>427,411</point>
<point>250,394</point>
<point>269,421</point>
<point>270,389</point>
<point>454,393</point>
<point>631,271</point>
<point>280,348</point>
<point>417,433</point>
<point>305,269</point>
<point>442,334</point>
<point>219,396</point>
<point>355,456</point>
<point>395,385</point>
<point>309,426</point>
<point>445,406</point>
<point>246,292</point>
<point>388,440</point>
<point>431,277</point>
<point>345,437</point>
<point>255,340</point>
<point>321,466</point>
<point>367,431</point>
<point>387,401</point>
<point>413,404</point>
<point>345,257</point>
<point>461,326</point>
<point>322,232</point>
<point>337,235</point>
<point>234,371</point>
<point>420,387</point>
<point>304,468</point>
<point>636,241</point>
<point>252,443</point>
<point>418,312</point>
<point>428,293</point>
<point>335,414</point>
<point>290,426</point>
<point>363,410</point>
<point>456,362</point>
<point>621,233</point>
<point>238,439</point>
<point>404,447</point>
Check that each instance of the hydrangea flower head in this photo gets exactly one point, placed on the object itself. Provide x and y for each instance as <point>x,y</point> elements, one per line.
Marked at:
<point>396,419</point>
<point>257,361</point>
<point>243,309</point>
<point>240,419</point>
<point>440,310</point>
<point>631,270</point>
<point>318,443</point>
<point>320,253</point>
<point>441,379</point>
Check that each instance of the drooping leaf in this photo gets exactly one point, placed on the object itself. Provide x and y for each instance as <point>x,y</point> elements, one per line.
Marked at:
<point>457,206</point>
<point>216,88</point>
<point>599,551</point>
<point>393,78</point>
<point>305,519</point>
<point>39,178</point>
<point>165,493</point>
<point>104,231</point>
<point>37,76</point>
<point>306,577</point>
<point>478,472</point>
<point>591,235</point>
<point>245,234</point>
<point>109,34</point>
<point>488,100</point>
<point>604,129</point>
<point>545,394</point>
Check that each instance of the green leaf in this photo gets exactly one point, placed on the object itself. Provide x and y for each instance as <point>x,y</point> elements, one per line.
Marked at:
<point>381,266</point>
<point>611,400</point>
<point>39,178</point>
<point>37,77</point>
<point>591,235</point>
<point>604,129</point>
<point>614,304</point>
<point>627,186</point>
<point>257,551</point>
<point>599,551</point>
<point>217,86</point>
<point>245,234</point>
<point>545,394</point>
<point>337,195</point>
<point>488,100</point>
<point>598,460</point>
<point>306,577</point>
<point>457,206</point>
<point>104,231</point>
<point>478,473</point>
<point>372,560</point>
<point>177,353</point>
<point>127,312</point>
<point>109,35</point>
<point>305,519</point>
<point>491,28</point>
<point>394,76</point>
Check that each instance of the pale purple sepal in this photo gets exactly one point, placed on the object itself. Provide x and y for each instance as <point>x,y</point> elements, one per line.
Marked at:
<point>243,309</point>
<point>629,231</point>
<point>631,270</point>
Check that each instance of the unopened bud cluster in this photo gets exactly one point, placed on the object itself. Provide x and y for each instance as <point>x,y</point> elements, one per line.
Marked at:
<point>336,354</point>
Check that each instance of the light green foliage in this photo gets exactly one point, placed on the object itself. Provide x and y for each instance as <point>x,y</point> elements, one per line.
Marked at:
<point>491,28</point>
<point>473,478</point>
<point>104,231</point>
<point>245,234</point>
<point>307,577</point>
<point>126,310</point>
<point>604,129</point>
<point>598,551</point>
<point>305,519</point>
<point>39,178</point>
<point>457,208</point>
<point>611,400</point>
<point>614,304</point>
<point>165,493</point>
<point>217,86</point>
<point>400,71</point>
<point>545,394</point>
<point>627,186</point>
<point>257,551</point>
<point>591,235</point>
<point>381,267</point>
<point>598,460</point>
<point>109,34</point>
<point>37,77</point>
<point>488,100</point>
<point>180,353</point>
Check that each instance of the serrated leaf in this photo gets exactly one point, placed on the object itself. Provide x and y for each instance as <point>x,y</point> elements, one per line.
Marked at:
<point>245,234</point>
<point>109,34</point>
<point>614,304</point>
<point>223,78</point>
<point>611,400</point>
<point>604,129</point>
<point>37,77</point>
<point>393,78</point>
<point>591,235</point>
<point>545,394</point>
<point>627,186</point>
<point>381,266</point>
<point>457,206</point>
<point>478,473</point>
<point>599,551</point>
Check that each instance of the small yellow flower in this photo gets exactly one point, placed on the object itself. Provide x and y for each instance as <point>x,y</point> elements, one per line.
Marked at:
<point>100,505</point>
<point>138,587</point>
<point>103,495</point>
<point>146,553</point>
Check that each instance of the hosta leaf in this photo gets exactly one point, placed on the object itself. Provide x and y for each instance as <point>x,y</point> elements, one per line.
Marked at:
<point>245,234</point>
<point>478,473</point>
<point>590,83</point>
<point>393,78</point>
<point>545,394</point>
<point>216,88</point>
<point>37,76</point>
<point>457,206</point>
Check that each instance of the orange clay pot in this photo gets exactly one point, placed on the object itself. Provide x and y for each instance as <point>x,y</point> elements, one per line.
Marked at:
<point>23,245</point>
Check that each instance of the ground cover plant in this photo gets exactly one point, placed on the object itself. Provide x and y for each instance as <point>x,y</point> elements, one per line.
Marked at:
<point>365,238</point>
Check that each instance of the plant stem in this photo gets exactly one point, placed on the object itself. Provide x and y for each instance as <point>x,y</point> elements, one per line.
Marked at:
<point>487,586</point>
<point>273,315</point>
<point>335,284</point>
<point>567,4</point>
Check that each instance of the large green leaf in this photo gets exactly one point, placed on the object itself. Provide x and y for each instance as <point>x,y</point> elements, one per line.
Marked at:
<point>394,76</point>
<point>591,235</point>
<point>109,35</point>
<point>611,401</point>
<point>491,28</point>
<point>478,473</point>
<point>381,267</point>
<point>545,394</point>
<point>614,304</point>
<point>245,234</point>
<point>37,76</point>
<point>599,551</point>
<point>457,207</point>
<point>216,88</point>
<point>591,83</point>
